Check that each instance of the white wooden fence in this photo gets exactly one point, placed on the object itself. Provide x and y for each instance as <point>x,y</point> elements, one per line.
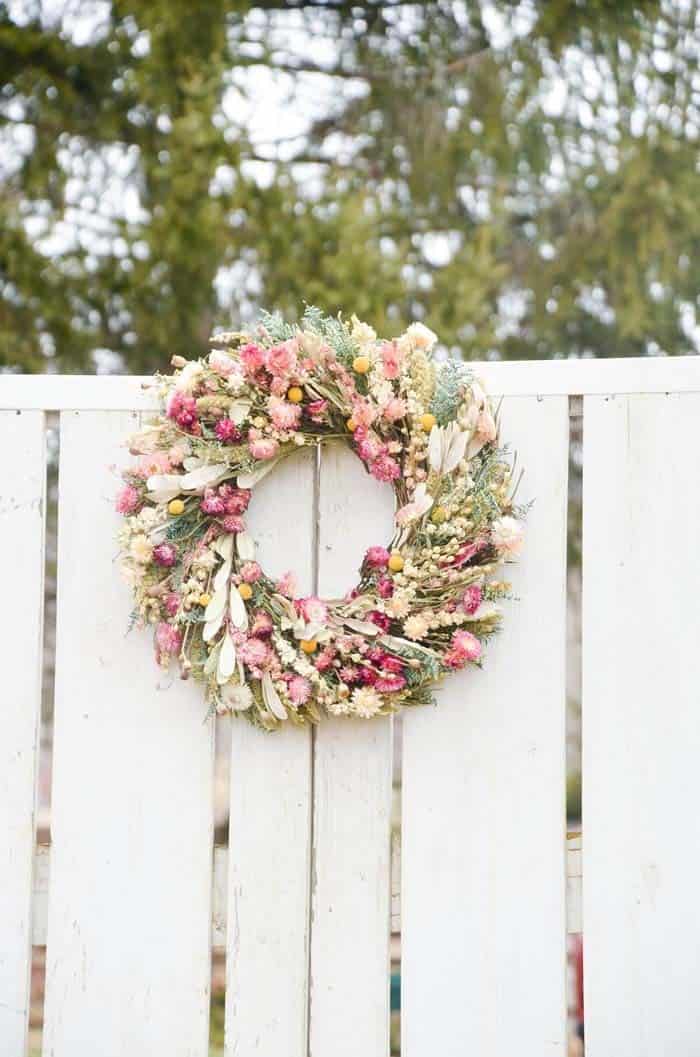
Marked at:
<point>137,894</point>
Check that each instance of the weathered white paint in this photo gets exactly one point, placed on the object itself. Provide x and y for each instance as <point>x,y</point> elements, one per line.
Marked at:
<point>654,374</point>
<point>641,725</point>
<point>352,804</point>
<point>270,817</point>
<point>483,849</point>
<point>22,496</point>
<point>42,867</point>
<point>128,956</point>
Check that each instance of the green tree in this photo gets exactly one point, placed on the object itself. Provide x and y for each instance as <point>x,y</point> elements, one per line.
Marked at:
<point>519,174</point>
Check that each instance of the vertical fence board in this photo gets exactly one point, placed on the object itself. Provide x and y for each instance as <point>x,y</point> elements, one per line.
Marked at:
<point>22,493</point>
<point>483,820</point>
<point>270,818</point>
<point>352,805</point>
<point>641,724</point>
<point>128,960</point>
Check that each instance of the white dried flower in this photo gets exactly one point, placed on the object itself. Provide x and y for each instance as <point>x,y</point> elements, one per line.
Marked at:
<point>416,627</point>
<point>421,337</point>
<point>235,697</point>
<point>141,549</point>
<point>507,535</point>
<point>362,333</point>
<point>398,605</point>
<point>365,702</point>
<point>189,376</point>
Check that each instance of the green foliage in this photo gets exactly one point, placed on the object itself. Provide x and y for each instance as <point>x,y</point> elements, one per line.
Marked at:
<point>520,175</point>
<point>451,379</point>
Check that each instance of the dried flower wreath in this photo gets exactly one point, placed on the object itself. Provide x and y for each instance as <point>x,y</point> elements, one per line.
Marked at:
<point>424,604</point>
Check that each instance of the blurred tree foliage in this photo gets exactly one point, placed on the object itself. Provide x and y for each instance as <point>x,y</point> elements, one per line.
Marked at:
<point>520,174</point>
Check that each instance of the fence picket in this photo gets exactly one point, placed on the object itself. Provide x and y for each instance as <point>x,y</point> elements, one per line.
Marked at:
<point>128,961</point>
<point>270,818</point>
<point>352,805</point>
<point>641,725</point>
<point>23,477</point>
<point>483,820</point>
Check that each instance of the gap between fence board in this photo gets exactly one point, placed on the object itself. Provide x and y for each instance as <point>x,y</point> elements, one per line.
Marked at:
<point>42,870</point>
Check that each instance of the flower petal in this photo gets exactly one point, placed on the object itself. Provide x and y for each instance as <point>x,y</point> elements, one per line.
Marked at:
<point>272,698</point>
<point>239,615</point>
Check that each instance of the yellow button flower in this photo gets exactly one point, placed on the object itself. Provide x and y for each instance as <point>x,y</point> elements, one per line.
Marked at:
<point>295,395</point>
<point>308,645</point>
<point>176,507</point>
<point>427,421</point>
<point>245,591</point>
<point>360,364</point>
<point>396,562</point>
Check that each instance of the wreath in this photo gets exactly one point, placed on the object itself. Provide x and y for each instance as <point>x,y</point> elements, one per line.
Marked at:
<point>424,604</point>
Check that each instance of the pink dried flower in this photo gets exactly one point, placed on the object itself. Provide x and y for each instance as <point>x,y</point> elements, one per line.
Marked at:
<point>392,664</point>
<point>251,572</point>
<point>152,463</point>
<point>349,674</point>
<point>172,603</point>
<point>325,659</point>
<point>312,609</point>
<point>284,415</point>
<point>394,409</point>
<point>299,690</point>
<point>233,523</point>
<point>471,599</point>
<point>377,557</point>
<point>389,684</point>
<point>227,431</point>
<point>212,503</point>
<point>316,410</point>
<point>253,357</point>
<point>128,500</point>
<point>368,676</point>
<point>222,363</point>
<point>254,652</point>
<point>261,625</point>
<point>467,552</point>
<point>465,647</point>
<point>385,587</point>
<point>165,554</point>
<point>177,454</point>
<point>287,585</point>
<point>392,358</point>
<point>385,468</point>
<point>168,640</point>
<point>282,359</point>
<point>183,410</point>
<point>368,444</point>
<point>380,619</point>
<point>363,412</point>
<point>237,500</point>
<point>263,448</point>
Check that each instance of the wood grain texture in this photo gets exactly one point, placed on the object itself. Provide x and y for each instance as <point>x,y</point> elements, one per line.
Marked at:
<point>22,501</point>
<point>483,846</point>
<point>270,818</point>
<point>641,725</point>
<point>128,957</point>
<point>352,804</point>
